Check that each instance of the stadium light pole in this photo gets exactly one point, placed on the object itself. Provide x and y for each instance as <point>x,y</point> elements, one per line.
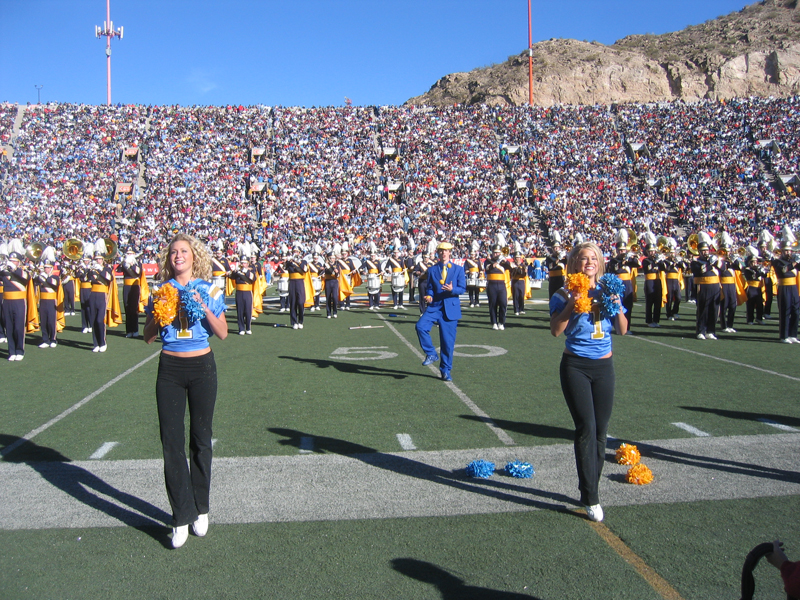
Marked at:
<point>38,93</point>
<point>109,32</point>
<point>530,57</point>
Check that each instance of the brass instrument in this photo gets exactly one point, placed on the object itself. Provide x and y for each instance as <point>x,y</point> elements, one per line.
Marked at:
<point>741,251</point>
<point>691,244</point>
<point>33,252</point>
<point>111,250</point>
<point>72,249</point>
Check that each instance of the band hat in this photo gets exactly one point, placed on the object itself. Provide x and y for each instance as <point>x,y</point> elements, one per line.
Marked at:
<point>47,263</point>
<point>786,245</point>
<point>702,246</point>
<point>497,248</point>
<point>444,246</point>
<point>14,256</point>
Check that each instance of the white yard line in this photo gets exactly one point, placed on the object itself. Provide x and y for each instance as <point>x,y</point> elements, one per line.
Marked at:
<point>780,426</point>
<point>476,410</point>
<point>103,450</point>
<point>32,434</point>
<point>406,443</point>
<point>692,430</point>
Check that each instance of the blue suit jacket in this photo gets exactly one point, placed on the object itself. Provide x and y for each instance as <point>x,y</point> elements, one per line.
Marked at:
<point>449,301</point>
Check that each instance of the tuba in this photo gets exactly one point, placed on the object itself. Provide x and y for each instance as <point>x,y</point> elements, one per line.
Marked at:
<point>33,251</point>
<point>111,250</point>
<point>72,249</point>
<point>691,244</point>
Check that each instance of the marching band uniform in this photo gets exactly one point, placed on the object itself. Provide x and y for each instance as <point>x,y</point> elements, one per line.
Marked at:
<point>395,265</point>
<point>706,278</point>
<point>282,273</point>
<point>331,275</point>
<point>15,305</point>
<point>769,282</point>
<point>297,291</point>
<point>315,268</point>
<point>82,275</point>
<point>48,306</point>
<point>131,290</point>
<point>473,266</point>
<point>100,278</point>
<point>556,270</point>
<point>372,267</point>
<point>220,266</point>
<point>345,269</point>
<point>753,275</point>
<point>729,298</point>
<point>408,262</point>
<point>674,277</point>
<point>519,275</point>
<point>68,287</point>
<point>788,294</point>
<point>3,337</point>
<point>444,309</point>
<point>624,267</point>
<point>244,277</point>
<point>421,273</point>
<point>496,289</point>
<point>653,290</point>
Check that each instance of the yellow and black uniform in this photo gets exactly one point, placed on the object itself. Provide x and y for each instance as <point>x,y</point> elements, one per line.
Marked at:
<point>473,268</point>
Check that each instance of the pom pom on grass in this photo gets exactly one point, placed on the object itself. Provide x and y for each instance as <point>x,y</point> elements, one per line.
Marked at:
<point>639,475</point>
<point>520,469</point>
<point>628,454</point>
<point>165,305</point>
<point>480,468</point>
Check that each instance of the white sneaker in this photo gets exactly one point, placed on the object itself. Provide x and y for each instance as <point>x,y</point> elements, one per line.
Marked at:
<point>501,327</point>
<point>85,330</point>
<point>44,345</point>
<point>241,333</point>
<point>295,326</point>
<point>96,349</point>
<point>248,332</point>
<point>516,314</point>
<point>595,513</point>
<point>402,307</point>
<point>12,358</point>
<point>495,327</point>
<point>180,535</point>
<point>200,526</point>
<point>795,340</point>
<point>786,341</point>
<point>700,336</point>
<point>329,316</point>
<point>301,325</point>
<point>652,324</point>
<point>20,357</point>
<point>3,340</point>
<point>710,336</point>
<point>731,330</point>
<point>335,316</point>
<point>90,330</point>
<point>53,344</point>
<point>102,348</point>
<point>522,312</point>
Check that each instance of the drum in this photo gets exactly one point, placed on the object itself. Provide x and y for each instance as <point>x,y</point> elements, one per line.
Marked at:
<point>283,286</point>
<point>536,284</point>
<point>316,284</point>
<point>398,281</point>
<point>482,282</point>
<point>472,279</point>
<point>373,283</point>
<point>219,282</point>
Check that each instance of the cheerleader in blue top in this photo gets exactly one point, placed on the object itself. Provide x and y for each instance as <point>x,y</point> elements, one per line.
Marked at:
<point>587,370</point>
<point>186,370</point>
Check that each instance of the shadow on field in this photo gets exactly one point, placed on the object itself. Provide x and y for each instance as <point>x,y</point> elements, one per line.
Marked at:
<point>405,466</point>
<point>86,487</point>
<point>449,586</point>
<point>531,429</point>
<point>358,368</point>
<point>746,416</point>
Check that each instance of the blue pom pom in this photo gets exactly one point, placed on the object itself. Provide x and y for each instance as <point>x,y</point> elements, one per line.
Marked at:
<point>194,310</point>
<point>520,469</point>
<point>611,285</point>
<point>480,468</point>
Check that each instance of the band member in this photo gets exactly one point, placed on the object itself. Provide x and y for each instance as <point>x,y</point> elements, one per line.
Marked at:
<point>496,291</point>
<point>653,287</point>
<point>421,275</point>
<point>372,267</point>
<point>349,270</point>
<point>556,265</point>
<point>315,268</point>
<point>3,263</point>
<point>331,273</point>
<point>101,277</point>
<point>68,286</point>
<point>409,264</point>
<point>16,294</point>
<point>244,277</point>
<point>283,282</point>
<point>706,278</point>
<point>131,292</point>
<point>754,275</point>
<point>395,265</point>
<point>472,267</point>
<point>82,276</point>
<point>519,277</point>
<point>625,266</point>
<point>673,271</point>
<point>769,281</point>
<point>297,268</point>
<point>51,307</point>
<point>786,269</point>
<point>729,292</point>
<point>220,267</point>
<point>445,282</point>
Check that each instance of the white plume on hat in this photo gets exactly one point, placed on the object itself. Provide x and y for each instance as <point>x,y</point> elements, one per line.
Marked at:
<point>16,246</point>
<point>88,249</point>
<point>725,240</point>
<point>556,237</point>
<point>412,245</point>
<point>622,236</point>
<point>432,244</point>
<point>49,253</point>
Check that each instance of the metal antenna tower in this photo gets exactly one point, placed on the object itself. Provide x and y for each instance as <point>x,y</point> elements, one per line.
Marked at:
<point>108,31</point>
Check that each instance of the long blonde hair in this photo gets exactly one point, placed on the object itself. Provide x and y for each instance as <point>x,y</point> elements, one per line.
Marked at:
<point>573,266</point>
<point>201,264</point>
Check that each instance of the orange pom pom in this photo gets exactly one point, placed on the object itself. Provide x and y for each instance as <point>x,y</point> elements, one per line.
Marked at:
<point>583,305</point>
<point>578,285</point>
<point>628,454</point>
<point>165,305</point>
<point>639,475</point>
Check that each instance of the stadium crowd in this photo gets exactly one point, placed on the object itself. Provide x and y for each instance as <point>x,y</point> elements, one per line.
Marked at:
<point>284,176</point>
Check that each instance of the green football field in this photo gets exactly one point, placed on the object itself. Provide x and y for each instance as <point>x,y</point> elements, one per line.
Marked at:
<point>339,465</point>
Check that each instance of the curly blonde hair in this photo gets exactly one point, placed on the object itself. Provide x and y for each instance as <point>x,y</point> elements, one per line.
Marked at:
<point>573,266</point>
<point>201,265</point>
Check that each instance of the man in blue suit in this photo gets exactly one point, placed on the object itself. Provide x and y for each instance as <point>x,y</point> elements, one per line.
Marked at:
<point>446,281</point>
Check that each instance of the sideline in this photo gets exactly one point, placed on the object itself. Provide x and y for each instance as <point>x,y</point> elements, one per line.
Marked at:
<point>32,434</point>
<point>477,411</point>
<point>725,360</point>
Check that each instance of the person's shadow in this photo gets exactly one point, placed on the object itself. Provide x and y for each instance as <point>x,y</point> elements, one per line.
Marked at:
<point>450,586</point>
<point>88,488</point>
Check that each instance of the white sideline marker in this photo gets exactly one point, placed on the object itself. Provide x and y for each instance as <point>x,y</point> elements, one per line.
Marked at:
<point>692,430</point>
<point>103,450</point>
<point>780,426</point>
<point>406,443</point>
<point>306,445</point>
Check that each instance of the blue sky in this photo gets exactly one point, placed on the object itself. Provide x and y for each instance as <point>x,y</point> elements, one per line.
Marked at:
<point>294,53</point>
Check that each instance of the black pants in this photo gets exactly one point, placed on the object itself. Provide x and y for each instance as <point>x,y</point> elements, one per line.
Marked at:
<point>727,305</point>
<point>707,308</point>
<point>474,294</point>
<point>788,311</point>
<point>180,378</point>
<point>297,300</point>
<point>673,297</point>
<point>130,298</point>
<point>244,310</point>
<point>518,295</point>
<point>47,320</point>
<point>96,316</point>
<point>652,297</point>
<point>69,296</point>
<point>755,304</point>
<point>498,302</point>
<point>588,387</point>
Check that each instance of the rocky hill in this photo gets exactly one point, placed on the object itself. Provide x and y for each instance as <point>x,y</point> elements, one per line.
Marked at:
<point>753,52</point>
